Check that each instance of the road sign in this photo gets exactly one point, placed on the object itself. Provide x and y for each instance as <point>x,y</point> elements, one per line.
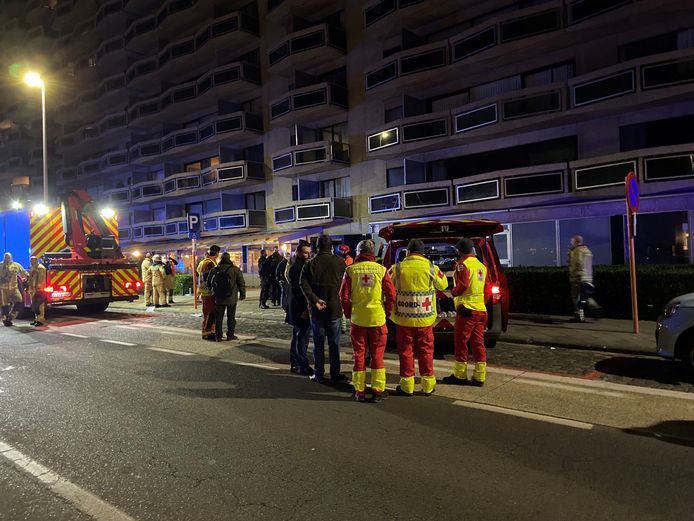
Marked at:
<point>194,226</point>
<point>632,191</point>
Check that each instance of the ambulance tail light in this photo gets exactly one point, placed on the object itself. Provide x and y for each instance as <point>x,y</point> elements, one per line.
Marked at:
<point>130,284</point>
<point>48,289</point>
<point>138,284</point>
<point>496,293</point>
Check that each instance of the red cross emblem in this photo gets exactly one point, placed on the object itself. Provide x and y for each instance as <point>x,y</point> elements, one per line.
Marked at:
<point>366,280</point>
<point>427,304</point>
<point>480,274</point>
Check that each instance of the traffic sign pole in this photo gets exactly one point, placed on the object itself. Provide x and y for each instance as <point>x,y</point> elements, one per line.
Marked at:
<point>632,200</point>
<point>195,278</point>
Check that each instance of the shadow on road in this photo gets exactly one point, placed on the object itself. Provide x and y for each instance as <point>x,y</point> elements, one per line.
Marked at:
<point>214,379</point>
<point>667,372</point>
<point>679,432</point>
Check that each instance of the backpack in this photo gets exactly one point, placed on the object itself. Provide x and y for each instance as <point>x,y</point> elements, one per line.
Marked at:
<point>218,282</point>
<point>167,269</point>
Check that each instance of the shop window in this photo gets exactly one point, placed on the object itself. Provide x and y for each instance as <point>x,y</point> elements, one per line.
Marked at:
<point>534,244</point>
<point>595,233</point>
<point>662,238</point>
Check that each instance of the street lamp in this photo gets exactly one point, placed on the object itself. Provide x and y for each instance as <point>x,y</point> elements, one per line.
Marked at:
<point>33,79</point>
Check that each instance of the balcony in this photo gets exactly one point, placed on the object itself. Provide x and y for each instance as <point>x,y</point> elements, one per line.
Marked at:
<point>70,46</point>
<point>410,130</point>
<point>67,174</point>
<point>581,10</point>
<point>309,158</point>
<point>117,196</point>
<point>141,36</point>
<point>654,77</point>
<point>235,81</point>
<point>411,197</point>
<point>281,12</point>
<point>235,30</point>
<point>312,50</point>
<point>111,18</point>
<point>412,61</point>
<point>232,221</point>
<point>315,102</point>
<point>245,127</point>
<point>234,174</point>
<point>314,211</point>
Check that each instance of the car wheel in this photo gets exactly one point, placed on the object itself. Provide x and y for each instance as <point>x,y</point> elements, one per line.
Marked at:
<point>687,357</point>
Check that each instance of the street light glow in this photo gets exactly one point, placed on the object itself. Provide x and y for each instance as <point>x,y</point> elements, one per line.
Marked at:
<point>16,205</point>
<point>33,79</point>
<point>107,213</point>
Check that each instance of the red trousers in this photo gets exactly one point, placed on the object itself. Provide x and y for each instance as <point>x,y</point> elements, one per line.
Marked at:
<point>417,341</point>
<point>470,329</point>
<point>372,338</point>
<point>208,315</point>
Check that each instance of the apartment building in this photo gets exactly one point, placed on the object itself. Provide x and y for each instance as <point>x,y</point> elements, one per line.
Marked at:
<point>281,119</point>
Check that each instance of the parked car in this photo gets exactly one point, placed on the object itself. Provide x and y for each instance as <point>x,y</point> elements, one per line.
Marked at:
<point>439,238</point>
<point>674,332</point>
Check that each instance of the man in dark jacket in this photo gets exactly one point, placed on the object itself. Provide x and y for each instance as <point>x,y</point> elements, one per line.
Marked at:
<point>265,283</point>
<point>320,281</point>
<point>281,275</point>
<point>227,303</point>
<point>297,313</point>
<point>275,290</point>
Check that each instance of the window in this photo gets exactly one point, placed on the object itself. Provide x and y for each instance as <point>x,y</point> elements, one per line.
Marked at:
<point>534,244</point>
<point>658,133</point>
<point>213,205</point>
<point>255,201</point>
<point>201,164</point>
<point>394,114</point>
<point>337,133</point>
<point>339,187</point>
<point>395,176</point>
<point>662,238</point>
<point>596,235</point>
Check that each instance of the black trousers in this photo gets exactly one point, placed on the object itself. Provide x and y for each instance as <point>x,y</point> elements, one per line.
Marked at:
<point>230,311</point>
<point>265,287</point>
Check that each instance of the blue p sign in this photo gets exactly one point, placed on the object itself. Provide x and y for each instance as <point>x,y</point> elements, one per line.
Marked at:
<point>193,222</point>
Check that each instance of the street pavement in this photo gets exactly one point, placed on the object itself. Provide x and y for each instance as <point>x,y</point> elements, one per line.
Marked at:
<point>604,350</point>
<point>143,420</point>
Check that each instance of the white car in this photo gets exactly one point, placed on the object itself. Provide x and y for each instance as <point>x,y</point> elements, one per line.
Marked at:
<point>674,334</point>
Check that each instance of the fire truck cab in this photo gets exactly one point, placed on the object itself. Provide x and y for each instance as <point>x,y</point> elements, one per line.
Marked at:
<point>439,237</point>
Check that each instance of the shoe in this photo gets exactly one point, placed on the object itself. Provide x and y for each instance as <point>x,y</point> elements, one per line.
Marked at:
<point>305,371</point>
<point>400,392</point>
<point>454,380</point>
<point>359,397</point>
<point>148,305</point>
<point>218,339</point>
<point>36,324</point>
<point>476,383</point>
<point>171,302</point>
<point>32,323</point>
<point>379,397</point>
<point>429,393</point>
<point>157,306</point>
<point>210,338</point>
<point>338,378</point>
<point>316,378</point>
<point>165,306</point>
<point>294,369</point>
<point>264,306</point>
<point>232,336</point>
<point>7,323</point>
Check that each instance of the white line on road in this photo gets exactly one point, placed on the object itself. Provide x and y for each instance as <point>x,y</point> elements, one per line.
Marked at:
<point>523,414</point>
<point>74,335</point>
<point>251,364</point>
<point>172,351</point>
<point>161,330</point>
<point>567,387</point>
<point>84,500</point>
<point>117,342</point>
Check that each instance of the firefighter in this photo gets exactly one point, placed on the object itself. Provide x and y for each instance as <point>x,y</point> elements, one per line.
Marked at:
<point>147,278</point>
<point>208,306</point>
<point>9,287</point>
<point>37,283</point>
<point>470,289</point>
<point>367,296</point>
<point>416,281</point>
<point>170,279</point>
<point>158,282</point>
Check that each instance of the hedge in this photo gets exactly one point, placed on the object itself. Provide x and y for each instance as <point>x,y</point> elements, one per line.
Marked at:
<point>183,284</point>
<point>546,290</point>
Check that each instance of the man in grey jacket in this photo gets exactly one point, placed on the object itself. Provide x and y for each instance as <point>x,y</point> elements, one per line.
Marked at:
<point>321,278</point>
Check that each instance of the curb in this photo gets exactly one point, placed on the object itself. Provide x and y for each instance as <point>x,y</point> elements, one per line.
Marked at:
<point>563,345</point>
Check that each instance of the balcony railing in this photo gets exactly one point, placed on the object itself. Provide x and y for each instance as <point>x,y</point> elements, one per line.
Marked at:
<point>326,208</point>
<point>324,35</point>
<point>411,197</point>
<point>380,10</point>
<point>220,222</point>
<point>581,10</point>
<point>150,23</point>
<point>311,153</point>
<point>307,97</point>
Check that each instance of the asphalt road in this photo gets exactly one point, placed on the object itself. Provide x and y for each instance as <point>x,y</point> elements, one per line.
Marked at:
<point>158,435</point>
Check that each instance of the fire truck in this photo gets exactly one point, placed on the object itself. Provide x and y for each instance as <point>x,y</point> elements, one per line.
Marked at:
<point>78,244</point>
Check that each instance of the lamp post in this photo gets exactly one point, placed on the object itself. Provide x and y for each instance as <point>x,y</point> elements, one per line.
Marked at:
<point>33,79</point>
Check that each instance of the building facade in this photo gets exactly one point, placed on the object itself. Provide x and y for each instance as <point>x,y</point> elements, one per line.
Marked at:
<point>281,119</point>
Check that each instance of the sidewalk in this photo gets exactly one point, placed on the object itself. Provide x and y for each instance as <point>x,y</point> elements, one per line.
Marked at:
<point>544,330</point>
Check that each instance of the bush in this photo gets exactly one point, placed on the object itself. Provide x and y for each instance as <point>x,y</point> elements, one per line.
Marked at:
<point>546,290</point>
<point>183,284</point>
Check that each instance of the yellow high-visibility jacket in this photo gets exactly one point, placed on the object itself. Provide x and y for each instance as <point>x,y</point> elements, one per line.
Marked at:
<point>416,281</point>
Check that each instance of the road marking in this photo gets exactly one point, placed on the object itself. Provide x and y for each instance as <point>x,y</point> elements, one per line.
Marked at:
<point>74,335</point>
<point>251,364</point>
<point>523,414</point>
<point>166,330</point>
<point>117,342</point>
<point>172,351</point>
<point>8,368</point>
<point>568,387</point>
<point>84,500</point>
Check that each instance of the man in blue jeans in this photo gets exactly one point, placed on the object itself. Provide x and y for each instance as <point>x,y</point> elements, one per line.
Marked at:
<point>321,278</point>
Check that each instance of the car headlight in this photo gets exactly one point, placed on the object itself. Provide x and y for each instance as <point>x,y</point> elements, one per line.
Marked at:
<point>671,309</point>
